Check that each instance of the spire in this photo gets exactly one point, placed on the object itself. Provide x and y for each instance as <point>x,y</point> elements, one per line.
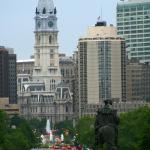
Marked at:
<point>45,6</point>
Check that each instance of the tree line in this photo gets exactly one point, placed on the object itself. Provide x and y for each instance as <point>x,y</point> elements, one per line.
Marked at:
<point>134,130</point>
<point>19,134</point>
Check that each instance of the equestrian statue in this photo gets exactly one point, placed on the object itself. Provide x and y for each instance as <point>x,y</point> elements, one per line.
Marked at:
<point>106,127</point>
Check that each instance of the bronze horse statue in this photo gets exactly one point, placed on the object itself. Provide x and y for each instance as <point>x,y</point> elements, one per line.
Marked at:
<point>106,127</point>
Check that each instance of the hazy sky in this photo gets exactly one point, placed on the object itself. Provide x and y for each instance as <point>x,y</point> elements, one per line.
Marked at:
<point>74,17</point>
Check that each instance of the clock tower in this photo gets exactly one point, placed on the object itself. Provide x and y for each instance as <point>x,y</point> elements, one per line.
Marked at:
<point>46,67</point>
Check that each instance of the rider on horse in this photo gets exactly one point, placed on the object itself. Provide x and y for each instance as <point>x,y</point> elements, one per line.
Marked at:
<point>106,126</point>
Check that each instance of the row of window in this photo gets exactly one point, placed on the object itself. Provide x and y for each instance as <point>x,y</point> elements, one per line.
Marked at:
<point>136,36</point>
<point>138,40</point>
<point>46,110</point>
<point>139,44</point>
<point>140,53</point>
<point>139,27</point>
<point>132,13</point>
<point>140,49</point>
<point>51,39</point>
<point>141,57</point>
<point>66,72</point>
<point>134,31</point>
<point>35,100</point>
<point>133,23</point>
<point>133,7</point>
<point>133,18</point>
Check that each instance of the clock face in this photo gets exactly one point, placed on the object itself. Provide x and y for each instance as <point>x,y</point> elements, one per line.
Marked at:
<point>50,24</point>
<point>39,24</point>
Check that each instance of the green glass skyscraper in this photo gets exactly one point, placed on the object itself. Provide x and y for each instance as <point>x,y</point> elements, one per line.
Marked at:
<point>133,23</point>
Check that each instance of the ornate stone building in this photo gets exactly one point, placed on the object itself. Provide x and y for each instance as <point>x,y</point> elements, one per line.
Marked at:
<point>46,65</point>
<point>25,66</point>
<point>43,95</point>
<point>67,68</point>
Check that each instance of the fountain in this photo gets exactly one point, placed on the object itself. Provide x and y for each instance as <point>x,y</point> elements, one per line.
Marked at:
<point>49,131</point>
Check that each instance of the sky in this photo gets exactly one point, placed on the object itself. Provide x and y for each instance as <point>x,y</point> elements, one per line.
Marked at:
<point>74,17</point>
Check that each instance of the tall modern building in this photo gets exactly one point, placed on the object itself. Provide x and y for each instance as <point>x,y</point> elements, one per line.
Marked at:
<point>8,75</point>
<point>12,77</point>
<point>101,65</point>
<point>133,22</point>
<point>46,66</point>
<point>4,92</point>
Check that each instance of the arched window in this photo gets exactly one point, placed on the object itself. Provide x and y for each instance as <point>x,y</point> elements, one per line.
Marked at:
<point>50,39</point>
<point>39,39</point>
<point>55,11</point>
<point>66,108</point>
<point>37,12</point>
<point>44,11</point>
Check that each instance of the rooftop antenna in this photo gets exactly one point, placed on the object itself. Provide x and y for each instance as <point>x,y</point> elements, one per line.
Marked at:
<point>101,13</point>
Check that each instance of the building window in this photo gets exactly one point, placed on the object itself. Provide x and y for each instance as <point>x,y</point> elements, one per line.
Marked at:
<point>44,11</point>
<point>66,108</point>
<point>50,39</point>
<point>51,56</point>
<point>39,39</point>
<point>52,51</point>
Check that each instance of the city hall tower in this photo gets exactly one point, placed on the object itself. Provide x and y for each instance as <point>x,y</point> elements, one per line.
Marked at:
<point>46,67</point>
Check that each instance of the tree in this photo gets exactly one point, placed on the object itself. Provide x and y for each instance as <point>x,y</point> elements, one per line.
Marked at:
<point>85,131</point>
<point>144,144</point>
<point>20,138</point>
<point>28,129</point>
<point>16,140</point>
<point>64,126</point>
<point>37,124</point>
<point>134,130</point>
<point>4,126</point>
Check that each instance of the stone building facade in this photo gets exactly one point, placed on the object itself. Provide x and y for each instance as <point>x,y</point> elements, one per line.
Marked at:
<point>138,81</point>
<point>121,107</point>
<point>55,106</point>
<point>25,66</point>
<point>42,94</point>
<point>67,68</point>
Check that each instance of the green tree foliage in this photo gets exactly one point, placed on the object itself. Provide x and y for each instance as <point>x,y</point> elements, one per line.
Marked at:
<point>16,140</point>
<point>134,131</point>
<point>85,131</point>
<point>144,144</point>
<point>66,128</point>
<point>20,138</point>
<point>63,126</point>
<point>3,127</point>
<point>38,125</point>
